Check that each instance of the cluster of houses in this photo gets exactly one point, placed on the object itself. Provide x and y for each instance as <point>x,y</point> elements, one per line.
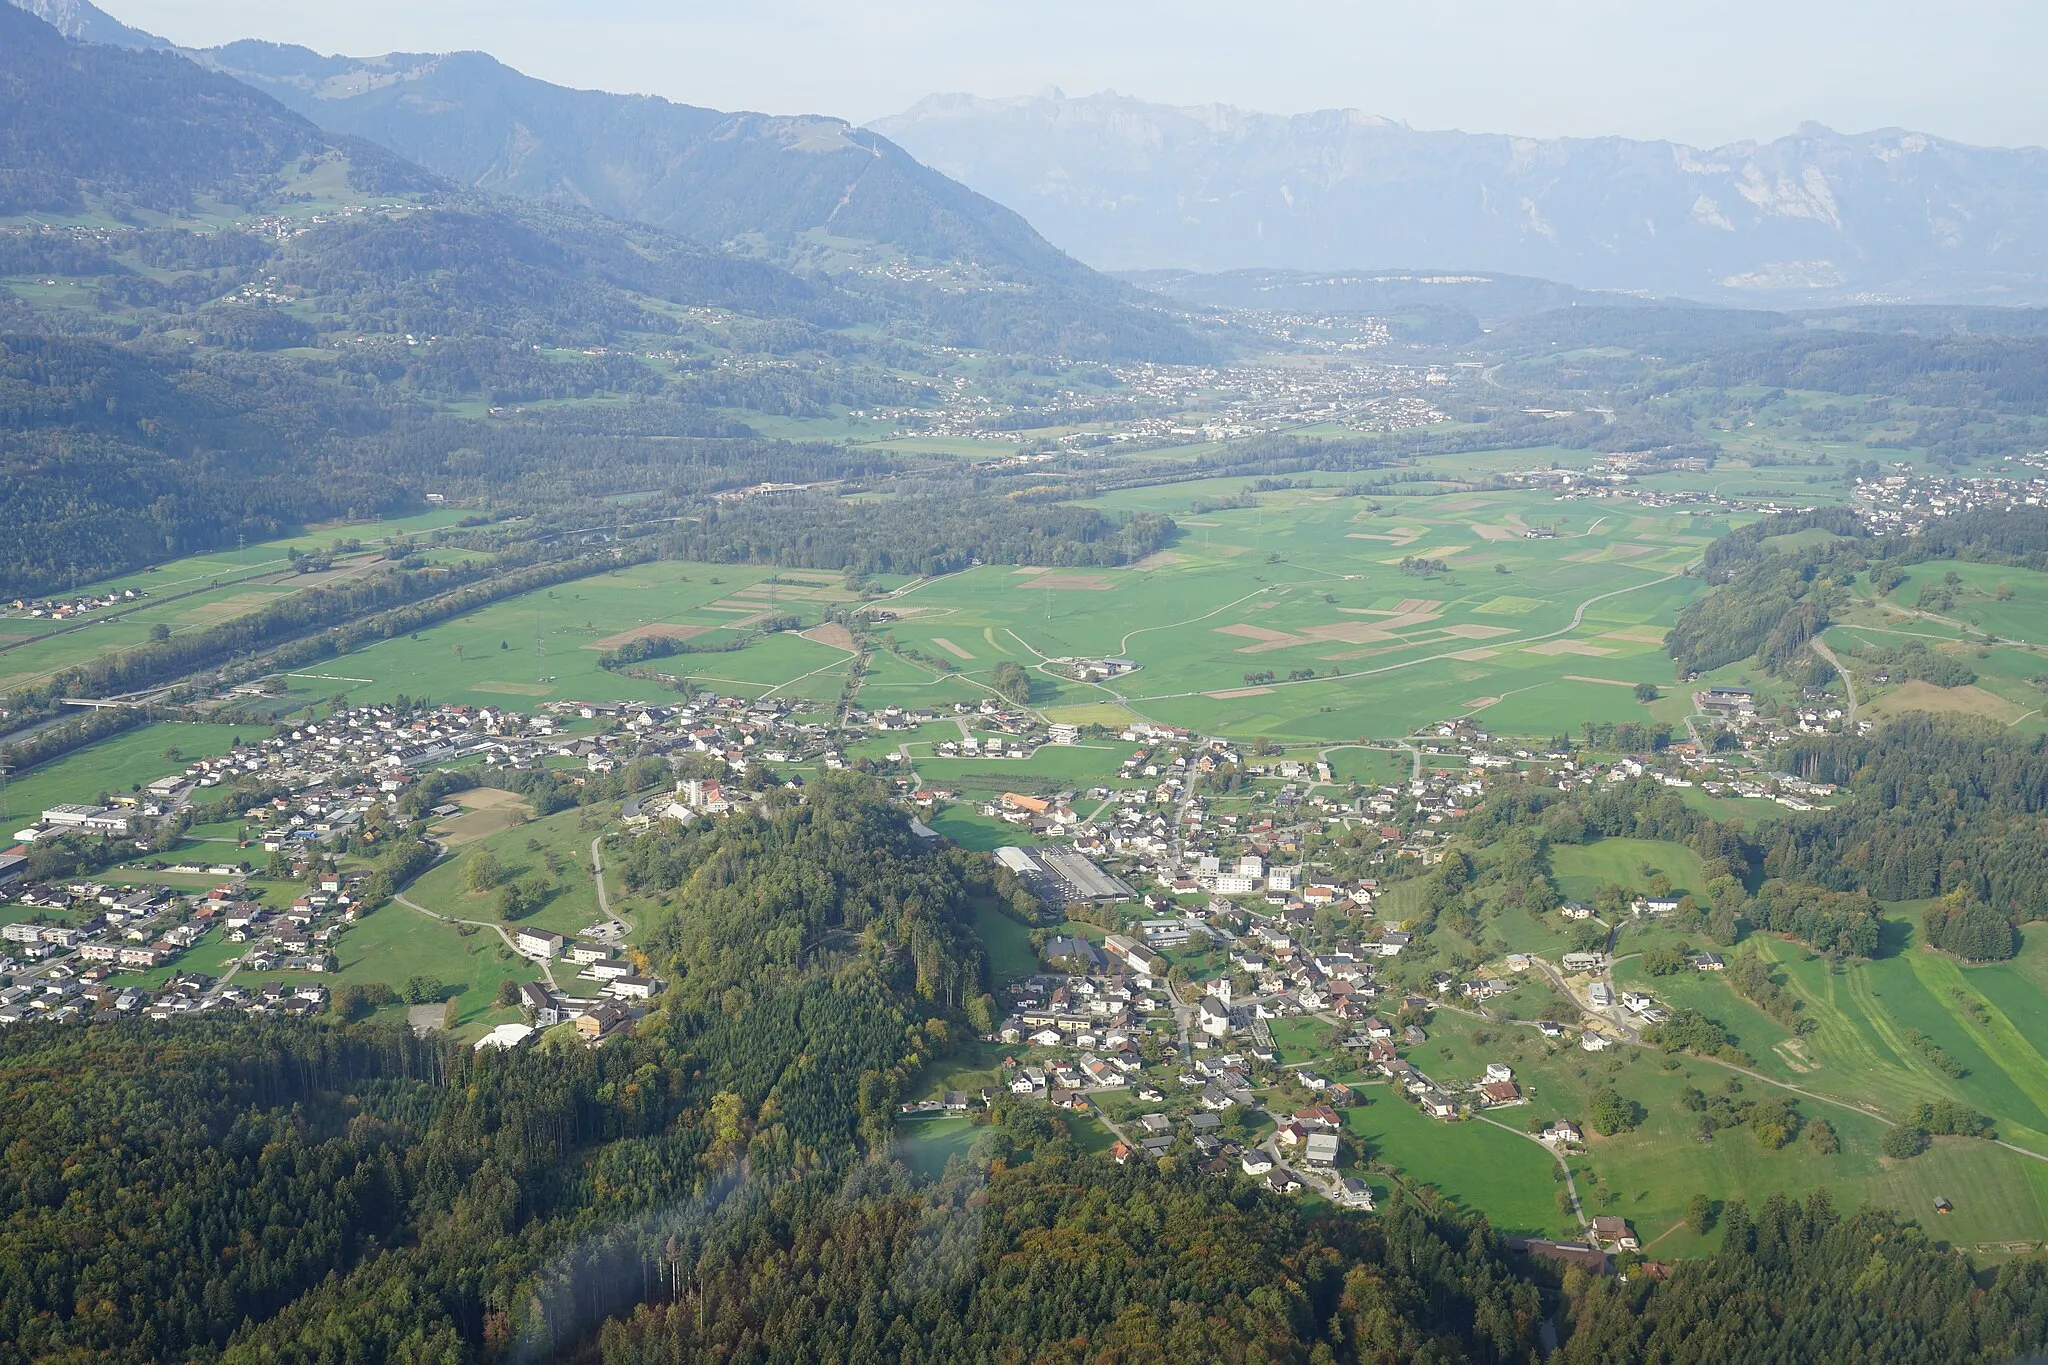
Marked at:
<point>598,963</point>
<point>739,732</point>
<point>1616,477</point>
<point>1084,1031</point>
<point>83,934</point>
<point>1903,503</point>
<point>1445,1100</point>
<point>595,1020</point>
<point>1233,402</point>
<point>66,609</point>
<point>330,772</point>
<point>62,995</point>
<point>1172,835</point>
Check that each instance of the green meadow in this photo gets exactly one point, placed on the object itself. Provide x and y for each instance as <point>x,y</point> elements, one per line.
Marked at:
<point>1529,635</point>
<point>1580,870</point>
<point>187,594</point>
<point>926,1144</point>
<point>394,944</point>
<point>544,646</point>
<point>1648,1174</point>
<point>116,764</point>
<point>1993,621</point>
<point>551,853</point>
<point>1473,1164</point>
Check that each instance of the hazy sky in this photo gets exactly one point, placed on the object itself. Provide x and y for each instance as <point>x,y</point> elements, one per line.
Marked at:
<point>1701,71</point>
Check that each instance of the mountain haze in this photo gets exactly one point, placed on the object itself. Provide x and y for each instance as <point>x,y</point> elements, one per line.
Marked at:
<point>755,180</point>
<point>810,193</point>
<point>136,129</point>
<point>805,192</point>
<point>1817,217</point>
<point>87,23</point>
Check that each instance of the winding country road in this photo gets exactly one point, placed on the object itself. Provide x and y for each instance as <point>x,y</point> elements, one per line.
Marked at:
<point>1820,647</point>
<point>546,969</point>
<point>604,901</point>
<point>1571,1185</point>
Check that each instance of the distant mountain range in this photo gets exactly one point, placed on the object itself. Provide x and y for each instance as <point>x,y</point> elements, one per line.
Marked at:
<point>937,199</point>
<point>802,190</point>
<point>815,195</point>
<point>799,189</point>
<point>1813,219</point>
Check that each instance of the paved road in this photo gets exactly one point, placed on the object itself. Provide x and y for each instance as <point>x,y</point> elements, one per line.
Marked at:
<point>604,903</point>
<point>1571,1185</point>
<point>1820,647</point>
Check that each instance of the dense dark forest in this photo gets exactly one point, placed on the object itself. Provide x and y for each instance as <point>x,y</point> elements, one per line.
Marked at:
<point>162,1188</point>
<point>250,1192</point>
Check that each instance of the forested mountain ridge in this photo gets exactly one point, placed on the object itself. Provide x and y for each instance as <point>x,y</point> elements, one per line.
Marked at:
<point>142,130</point>
<point>249,323</point>
<point>810,192</point>
<point>87,23</point>
<point>709,175</point>
<point>313,1170</point>
<point>287,1193</point>
<point>1814,217</point>
<point>117,130</point>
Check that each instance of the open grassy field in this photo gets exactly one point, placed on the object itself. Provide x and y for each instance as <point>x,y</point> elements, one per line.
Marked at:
<point>971,1065</point>
<point>1861,1051</point>
<point>118,763</point>
<point>1648,1174</point>
<point>485,811</point>
<point>895,681</point>
<point>1474,1165</point>
<point>1992,620</point>
<point>545,646</point>
<point>554,852</point>
<point>1534,635</point>
<point>926,1144</point>
<point>1368,767</point>
<point>185,594</point>
<point>1007,943</point>
<point>394,944</point>
<point>1052,767</point>
<point>969,828</point>
<point>1580,870</point>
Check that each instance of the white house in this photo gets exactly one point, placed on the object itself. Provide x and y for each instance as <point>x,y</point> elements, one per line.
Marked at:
<point>540,944</point>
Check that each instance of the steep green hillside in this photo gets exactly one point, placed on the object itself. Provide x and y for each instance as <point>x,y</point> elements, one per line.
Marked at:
<point>83,123</point>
